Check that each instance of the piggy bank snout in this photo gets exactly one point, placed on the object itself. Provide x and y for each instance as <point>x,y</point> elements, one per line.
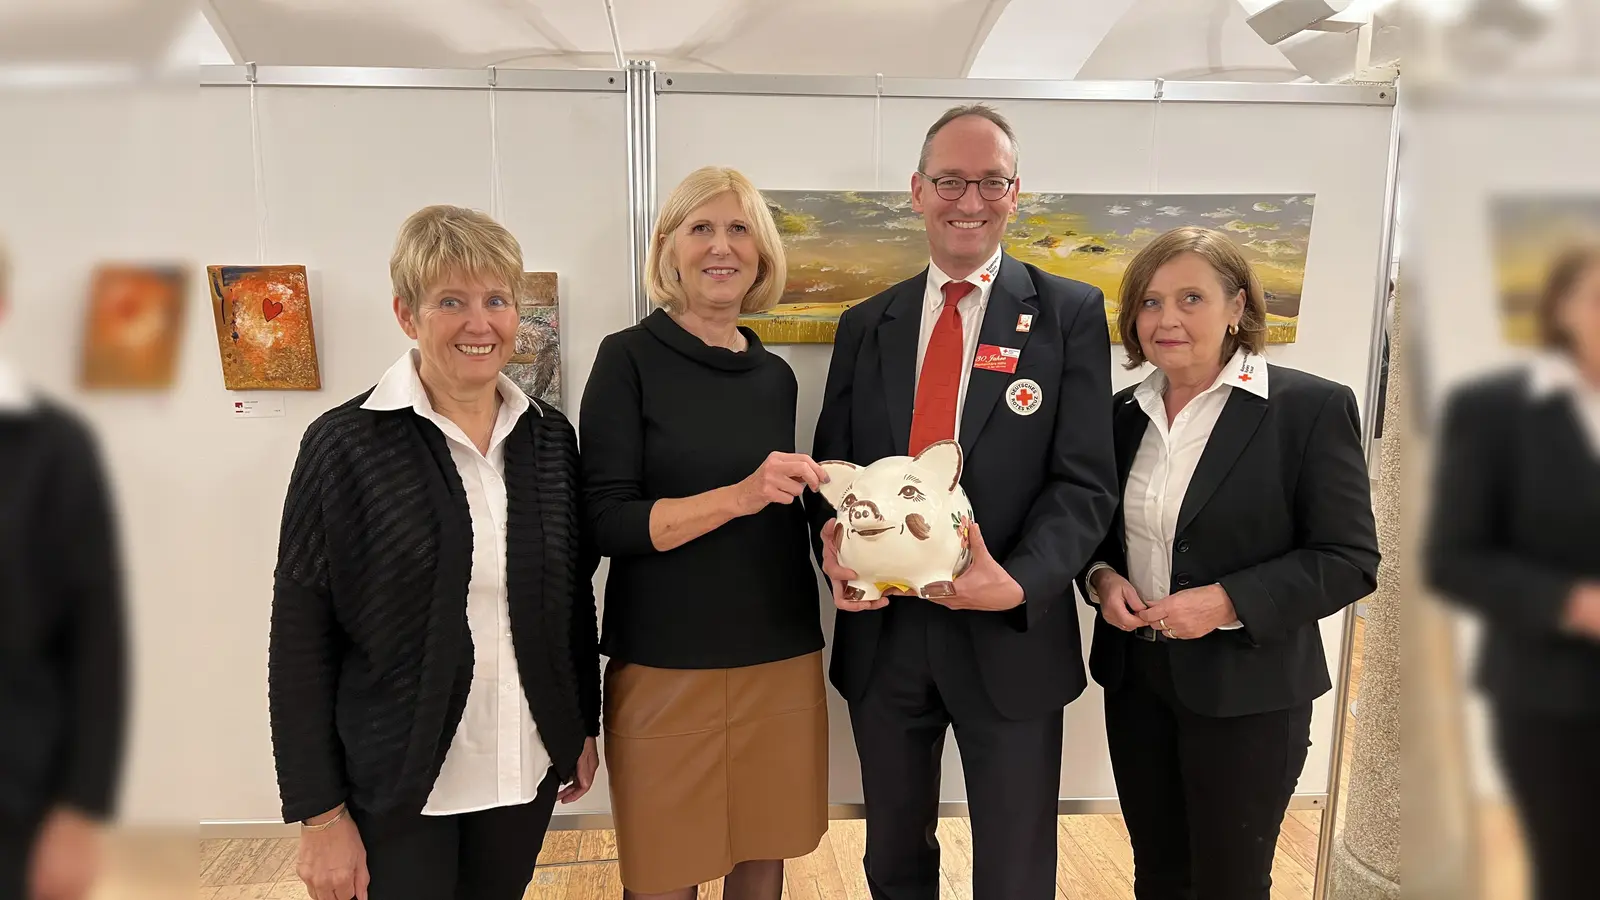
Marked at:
<point>866,518</point>
<point>865,511</point>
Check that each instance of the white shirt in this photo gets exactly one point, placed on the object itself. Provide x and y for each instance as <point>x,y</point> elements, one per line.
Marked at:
<point>1164,466</point>
<point>496,757</point>
<point>971,307</point>
<point>15,396</point>
<point>1553,373</point>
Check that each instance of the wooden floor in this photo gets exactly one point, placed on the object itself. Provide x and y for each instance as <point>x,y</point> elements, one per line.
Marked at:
<point>1093,862</point>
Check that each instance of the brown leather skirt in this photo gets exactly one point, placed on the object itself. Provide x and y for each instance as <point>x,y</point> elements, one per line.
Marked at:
<point>709,768</point>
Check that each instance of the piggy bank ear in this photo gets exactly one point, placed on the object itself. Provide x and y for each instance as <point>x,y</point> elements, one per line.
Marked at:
<point>840,474</point>
<point>945,459</point>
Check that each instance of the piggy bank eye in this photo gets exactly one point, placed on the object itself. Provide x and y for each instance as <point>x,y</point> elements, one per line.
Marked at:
<point>849,500</point>
<point>910,492</point>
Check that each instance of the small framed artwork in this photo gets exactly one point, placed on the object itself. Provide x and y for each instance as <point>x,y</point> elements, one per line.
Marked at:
<point>264,328</point>
<point>536,364</point>
<point>134,325</point>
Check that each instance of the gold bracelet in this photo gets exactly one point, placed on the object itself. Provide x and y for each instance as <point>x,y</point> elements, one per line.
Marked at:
<point>325,825</point>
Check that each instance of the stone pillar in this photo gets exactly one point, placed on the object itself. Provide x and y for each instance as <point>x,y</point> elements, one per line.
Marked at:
<point>1365,862</point>
<point>1366,847</point>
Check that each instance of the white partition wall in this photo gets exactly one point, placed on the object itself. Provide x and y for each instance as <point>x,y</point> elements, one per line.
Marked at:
<point>309,167</point>
<point>318,167</point>
<point>865,134</point>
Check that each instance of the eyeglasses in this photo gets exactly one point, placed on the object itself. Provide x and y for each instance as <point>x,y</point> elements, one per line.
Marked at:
<point>952,188</point>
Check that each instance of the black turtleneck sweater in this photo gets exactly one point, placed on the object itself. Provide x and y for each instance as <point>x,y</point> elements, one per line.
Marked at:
<point>666,416</point>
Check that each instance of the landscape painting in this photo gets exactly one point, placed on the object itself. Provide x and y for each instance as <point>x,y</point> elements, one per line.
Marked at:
<point>1529,232</point>
<point>536,363</point>
<point>845,246</point>
<point>264,330</point>
<point>133,329</point>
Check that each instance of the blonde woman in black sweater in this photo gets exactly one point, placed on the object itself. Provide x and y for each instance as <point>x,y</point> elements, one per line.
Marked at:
<point>433,668</point>
<point>716,717</point>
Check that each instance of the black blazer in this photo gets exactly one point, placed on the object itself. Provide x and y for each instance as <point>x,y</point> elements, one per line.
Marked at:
<point>370,655</point>
<point>1279,512</point>
<point>62,638</point>
<point>1040,484</point>
<point>1515,525</point>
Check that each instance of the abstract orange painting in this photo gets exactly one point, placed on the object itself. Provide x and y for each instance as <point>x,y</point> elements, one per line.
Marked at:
<point>135,319</point>
<point>264,328</point>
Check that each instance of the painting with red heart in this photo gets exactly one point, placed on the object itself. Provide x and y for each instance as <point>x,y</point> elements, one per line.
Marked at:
<point>264,330</point>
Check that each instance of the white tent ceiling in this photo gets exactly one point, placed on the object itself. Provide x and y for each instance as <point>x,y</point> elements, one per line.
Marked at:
<point>932,38</point>
<point>1116,39</point>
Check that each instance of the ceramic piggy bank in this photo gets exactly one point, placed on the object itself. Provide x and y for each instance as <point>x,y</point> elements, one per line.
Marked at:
<point>901,521</point>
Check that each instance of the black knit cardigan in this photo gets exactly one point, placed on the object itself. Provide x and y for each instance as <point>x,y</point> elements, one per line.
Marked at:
<point>370,655</point>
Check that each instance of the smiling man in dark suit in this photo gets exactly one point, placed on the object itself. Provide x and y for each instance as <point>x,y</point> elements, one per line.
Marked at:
<point>1014,364</point>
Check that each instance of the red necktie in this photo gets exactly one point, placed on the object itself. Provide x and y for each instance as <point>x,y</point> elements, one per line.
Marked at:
<point>933,417</point>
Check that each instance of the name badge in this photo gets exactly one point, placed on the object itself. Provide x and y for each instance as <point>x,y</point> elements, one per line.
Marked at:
<point>996,359</point>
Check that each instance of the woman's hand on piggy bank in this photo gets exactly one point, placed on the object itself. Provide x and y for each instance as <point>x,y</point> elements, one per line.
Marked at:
<point>781,478</point>
<point>839,576</point>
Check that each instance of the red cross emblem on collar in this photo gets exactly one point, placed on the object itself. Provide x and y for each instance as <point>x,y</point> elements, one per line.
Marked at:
<point>1244,377</point>
<point>984,277</point>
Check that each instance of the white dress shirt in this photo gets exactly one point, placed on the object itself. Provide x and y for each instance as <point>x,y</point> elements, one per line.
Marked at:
<point>1553,373</point>
<point>15,395</point>
<point>971,307</point>
<point>1164,466</point>
<point>496,757</point>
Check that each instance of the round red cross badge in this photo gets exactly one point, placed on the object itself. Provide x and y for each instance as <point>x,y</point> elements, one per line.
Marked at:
<point>1024,397</point>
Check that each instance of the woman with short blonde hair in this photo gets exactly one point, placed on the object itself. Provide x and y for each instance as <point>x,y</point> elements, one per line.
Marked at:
<point>433,666</point>
<point>715,713</point>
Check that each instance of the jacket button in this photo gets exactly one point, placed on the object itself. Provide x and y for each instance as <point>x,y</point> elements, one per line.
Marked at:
<point>1183,546</point>
<point>1183,581</point>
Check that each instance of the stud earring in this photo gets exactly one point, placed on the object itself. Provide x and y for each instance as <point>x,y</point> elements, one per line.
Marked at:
<point>1233,327</point>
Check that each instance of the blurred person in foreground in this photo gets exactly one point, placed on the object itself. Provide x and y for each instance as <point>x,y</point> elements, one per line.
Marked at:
<point>1246,517</point>
<point>433,668</point>
<point>62,652</point>
<point>1514,535</point>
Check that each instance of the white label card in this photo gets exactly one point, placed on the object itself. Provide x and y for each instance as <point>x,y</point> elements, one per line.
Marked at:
<point>269,407</point>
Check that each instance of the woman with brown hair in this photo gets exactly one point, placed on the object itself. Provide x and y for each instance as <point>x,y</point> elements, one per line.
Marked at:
<point>1245,518</point>
<point>1514,535</point>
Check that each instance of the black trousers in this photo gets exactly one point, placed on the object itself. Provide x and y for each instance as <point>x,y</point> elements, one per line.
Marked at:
<point>1549,764</point>
<point>1203,797</point>
<point>486,855</point>
<point>925,680</point>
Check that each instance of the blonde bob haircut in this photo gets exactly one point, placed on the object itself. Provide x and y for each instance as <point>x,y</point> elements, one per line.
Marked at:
<point>699,188</point>
<point>1233,272</point>
<point>440,242</point>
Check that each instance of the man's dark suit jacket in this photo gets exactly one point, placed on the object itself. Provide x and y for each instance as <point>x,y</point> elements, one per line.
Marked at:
<point>62,677</point>
<point>1041,485</point>
<point>1515,525</point>
<point>1279,512</point>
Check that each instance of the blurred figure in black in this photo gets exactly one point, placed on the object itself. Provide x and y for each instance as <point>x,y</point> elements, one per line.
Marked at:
<point>1515,535</point>
<point>61,646</point>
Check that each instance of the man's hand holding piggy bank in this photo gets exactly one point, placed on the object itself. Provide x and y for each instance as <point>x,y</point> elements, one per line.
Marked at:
<point>905,526</point>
